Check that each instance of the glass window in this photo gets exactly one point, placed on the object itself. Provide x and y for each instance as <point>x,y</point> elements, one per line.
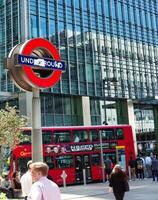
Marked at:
<point>112,145</point>
<point>64,161</point>
<point>22,165</point>
<point>112,157</point>
<point>95,159</point>
<point>107,134</point>
<point>80,136</point>
<point>47,137</point>
<point>93,134</point>
<point>119,133</point>
<point>120,11</point>
<point>58,105</point>
<point>62,136</point>
<point>43,27</point>
<point>34,26</point>
<point>106,7</point>
<point>50,161</point>
<point>26,137</point>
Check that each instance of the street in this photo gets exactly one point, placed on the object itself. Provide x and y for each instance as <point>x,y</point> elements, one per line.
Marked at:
<point>139,190</point>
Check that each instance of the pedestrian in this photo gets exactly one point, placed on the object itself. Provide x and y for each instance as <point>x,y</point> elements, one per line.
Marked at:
<point>6,187</point>
<point>118,182</point>
<point>26,181</point>
<point>16,185</point>
<point>148,162</point>
<point>108,167</point>
<point>155,168</point>
<point>42,188</point>
<point>132,165</point>
<point>139,168</point>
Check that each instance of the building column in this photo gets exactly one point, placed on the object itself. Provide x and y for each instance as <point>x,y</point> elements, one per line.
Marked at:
<point>156,124</point>
<point>25,105</point>
<point>86,111</point>
<point>125,115</point>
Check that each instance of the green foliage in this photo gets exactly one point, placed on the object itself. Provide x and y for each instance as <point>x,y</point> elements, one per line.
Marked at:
<point>3,196</point>
<point>10,124</point>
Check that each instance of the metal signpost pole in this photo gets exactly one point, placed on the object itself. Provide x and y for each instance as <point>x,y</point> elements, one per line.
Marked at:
<point>37,150</point>
<point>20,64</point>
<point>102,158</point>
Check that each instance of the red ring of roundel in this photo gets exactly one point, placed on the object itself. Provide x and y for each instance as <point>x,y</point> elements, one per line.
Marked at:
<point>38,81</point>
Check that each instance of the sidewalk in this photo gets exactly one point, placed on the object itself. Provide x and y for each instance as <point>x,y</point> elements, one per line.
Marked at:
<point>139,190</point>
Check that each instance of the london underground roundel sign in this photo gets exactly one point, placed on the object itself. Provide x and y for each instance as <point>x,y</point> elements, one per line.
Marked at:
<point>35,64</point>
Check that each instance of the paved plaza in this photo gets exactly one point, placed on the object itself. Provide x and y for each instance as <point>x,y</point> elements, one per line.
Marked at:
<point>139,190</point>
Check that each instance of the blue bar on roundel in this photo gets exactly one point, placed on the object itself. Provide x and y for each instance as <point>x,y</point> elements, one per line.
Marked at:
<point>40,62</point>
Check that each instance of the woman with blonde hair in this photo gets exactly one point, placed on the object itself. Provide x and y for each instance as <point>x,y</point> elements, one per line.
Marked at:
<point>118,182</point>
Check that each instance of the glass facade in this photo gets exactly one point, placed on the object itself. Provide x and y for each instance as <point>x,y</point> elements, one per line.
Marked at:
<point>98,39</point>
<point>110,48</point>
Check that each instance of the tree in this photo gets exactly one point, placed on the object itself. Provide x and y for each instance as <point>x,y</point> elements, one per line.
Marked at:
<point>10,124</point>
<point>10,131</point>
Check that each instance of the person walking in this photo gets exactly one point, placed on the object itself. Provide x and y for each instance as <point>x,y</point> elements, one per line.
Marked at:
<point>42,188</point>
<point>26,181</point>
<point>155,168</point>
<point>108,167</point>
<point>118,182</point>
<point>139,168</point>
<point>132,165</point>
<point>148,163</point>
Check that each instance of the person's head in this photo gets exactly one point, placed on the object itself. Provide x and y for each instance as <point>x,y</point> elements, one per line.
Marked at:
<point>15,175</point>
<point>55,149</point>
<point>117,168</point>
<point>38,170</point>
<point>29,163</point>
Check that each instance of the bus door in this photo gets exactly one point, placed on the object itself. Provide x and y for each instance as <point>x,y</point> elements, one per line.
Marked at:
<point>120,156</point>
<point>82,162</point>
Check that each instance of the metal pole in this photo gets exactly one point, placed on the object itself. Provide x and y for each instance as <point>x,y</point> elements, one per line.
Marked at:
<point>102,158</point>
<point>84,176</point>
<point>37,150</point>
<point>105,118</point>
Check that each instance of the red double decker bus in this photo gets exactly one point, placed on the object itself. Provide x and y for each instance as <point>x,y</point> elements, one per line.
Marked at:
<point>75,148</point>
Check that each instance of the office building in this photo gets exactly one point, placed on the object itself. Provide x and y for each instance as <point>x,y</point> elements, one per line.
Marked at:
<point>110,48</point>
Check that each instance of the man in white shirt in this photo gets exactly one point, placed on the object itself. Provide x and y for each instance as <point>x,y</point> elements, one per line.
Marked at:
<point>42,188</point>
<point>26,181</point>
<point>148,163</point>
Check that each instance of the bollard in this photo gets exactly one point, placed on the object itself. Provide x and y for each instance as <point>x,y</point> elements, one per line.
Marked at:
<point>84,176</point>
<point>63,176</point>
<point>129,172</point>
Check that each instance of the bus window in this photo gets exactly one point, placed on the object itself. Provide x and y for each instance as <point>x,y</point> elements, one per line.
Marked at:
<point>80,136</point>
<point>26,138</point>
<point>112,157</point>
<point>22,165</point>
<point>64,161</point>
<point>61,136</point>
<point>119,134</point>
<point>95,159</point>
<point>107,134</point>
<point>93,135</point>
<point>47,137</point>
<point>112,145</point>
<point>50,162</point>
